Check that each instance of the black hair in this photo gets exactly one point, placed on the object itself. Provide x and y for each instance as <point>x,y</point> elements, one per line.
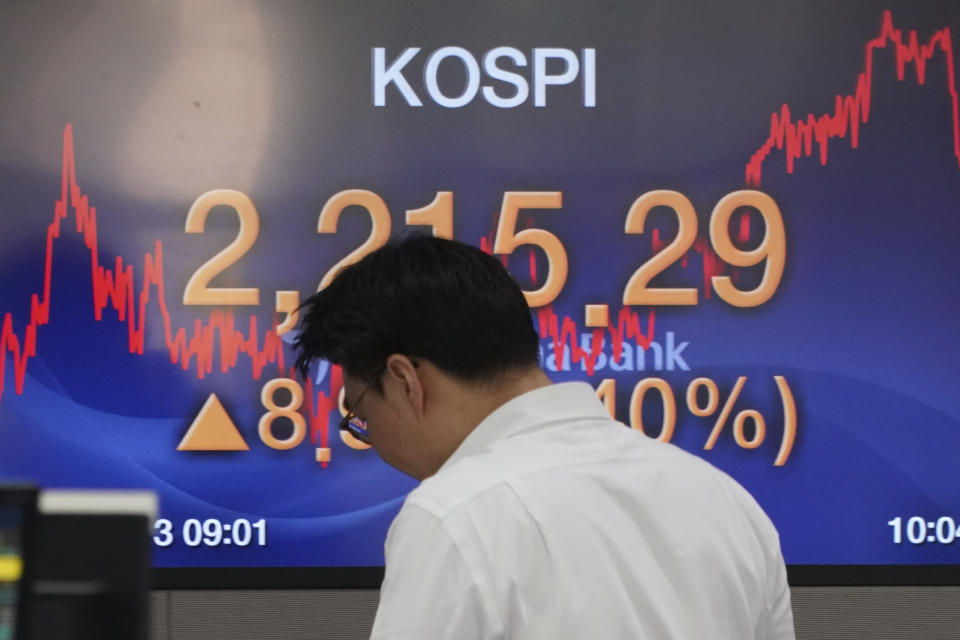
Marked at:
<point>423,297</point>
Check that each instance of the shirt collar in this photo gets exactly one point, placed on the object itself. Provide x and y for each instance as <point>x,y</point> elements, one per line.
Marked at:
<point>530,411</point>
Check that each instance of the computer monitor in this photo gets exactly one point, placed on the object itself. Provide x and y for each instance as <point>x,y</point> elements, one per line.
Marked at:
<point>92,565</point>
<point>17,514</point>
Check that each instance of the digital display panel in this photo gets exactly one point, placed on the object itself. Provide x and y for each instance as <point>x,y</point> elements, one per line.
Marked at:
<point>17,509</point>
<point>737,222</point>
<point>11,568</point>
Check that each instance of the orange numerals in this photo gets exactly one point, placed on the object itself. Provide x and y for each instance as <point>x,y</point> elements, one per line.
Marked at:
<point>439,216</point>
<point>749,426</point>
<point>772,249</point>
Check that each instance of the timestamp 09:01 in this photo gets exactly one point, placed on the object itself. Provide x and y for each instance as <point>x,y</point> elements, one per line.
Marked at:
<point>211,533</point>
<point>944,530</point>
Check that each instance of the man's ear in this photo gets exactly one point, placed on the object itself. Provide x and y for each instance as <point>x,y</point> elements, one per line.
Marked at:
<point>402,372</point>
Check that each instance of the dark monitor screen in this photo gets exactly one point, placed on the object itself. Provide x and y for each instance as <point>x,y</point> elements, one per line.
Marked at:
<point>90,578</point>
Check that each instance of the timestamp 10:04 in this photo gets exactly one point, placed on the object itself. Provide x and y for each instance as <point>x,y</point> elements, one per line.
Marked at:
<point>211,533</point>
<point>944,530</point>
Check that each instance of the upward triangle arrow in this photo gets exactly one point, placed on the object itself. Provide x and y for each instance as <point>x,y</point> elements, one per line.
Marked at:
<point>213,430</point>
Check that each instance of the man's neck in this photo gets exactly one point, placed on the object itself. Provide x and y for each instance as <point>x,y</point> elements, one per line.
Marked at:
<point>461,407</point>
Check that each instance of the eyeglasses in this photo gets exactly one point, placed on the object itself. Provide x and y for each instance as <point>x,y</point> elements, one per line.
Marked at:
<point>354,425</point>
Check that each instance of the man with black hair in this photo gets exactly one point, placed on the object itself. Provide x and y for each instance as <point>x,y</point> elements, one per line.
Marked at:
<point>538,516</point>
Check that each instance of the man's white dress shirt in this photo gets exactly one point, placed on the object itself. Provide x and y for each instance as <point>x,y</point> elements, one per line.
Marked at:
<point>552,521</point>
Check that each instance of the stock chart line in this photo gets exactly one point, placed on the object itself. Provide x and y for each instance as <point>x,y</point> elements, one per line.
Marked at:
<point>318,406</point>
<point>711,264</point>
<point>850,111</point>
<point>563,333</point>
<point>198,345</point>
<point>117,288</point>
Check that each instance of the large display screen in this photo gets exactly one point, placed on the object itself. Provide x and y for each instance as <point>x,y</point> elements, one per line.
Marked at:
<point>738,221</point>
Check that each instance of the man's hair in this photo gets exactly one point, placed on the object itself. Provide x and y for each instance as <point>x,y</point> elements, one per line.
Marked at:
<point>422,297</point>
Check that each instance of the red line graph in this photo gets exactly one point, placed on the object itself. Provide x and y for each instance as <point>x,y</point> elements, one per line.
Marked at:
<point>319,405</point>
<point>564,334</point>
<point>117,287</point>
<point>712,265</point>
<point>850,111</point>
